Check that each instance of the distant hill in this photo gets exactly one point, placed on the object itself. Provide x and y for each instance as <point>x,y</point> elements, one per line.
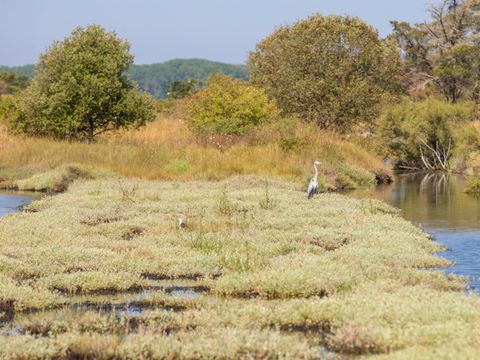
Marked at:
<point>155,78</point>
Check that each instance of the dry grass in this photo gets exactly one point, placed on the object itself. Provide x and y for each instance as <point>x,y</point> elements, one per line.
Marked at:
<point>166,149</point>
<point>284,281</point>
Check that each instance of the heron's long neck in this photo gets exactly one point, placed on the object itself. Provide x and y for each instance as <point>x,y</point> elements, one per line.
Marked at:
<point>316,171</point>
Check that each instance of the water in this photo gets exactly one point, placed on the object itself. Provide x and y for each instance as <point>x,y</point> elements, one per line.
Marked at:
<point>11,202</point>
<point>438,203</point>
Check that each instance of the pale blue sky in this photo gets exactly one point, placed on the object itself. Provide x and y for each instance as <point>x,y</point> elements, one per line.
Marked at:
<point>160,30</point>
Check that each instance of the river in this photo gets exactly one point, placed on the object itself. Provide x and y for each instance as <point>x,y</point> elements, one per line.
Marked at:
<point>438,203</point>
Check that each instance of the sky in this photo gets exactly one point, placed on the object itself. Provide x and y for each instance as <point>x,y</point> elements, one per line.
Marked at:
<point>160,30</point>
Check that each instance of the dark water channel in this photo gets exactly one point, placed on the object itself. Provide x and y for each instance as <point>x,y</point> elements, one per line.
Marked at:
<point>438,203</point>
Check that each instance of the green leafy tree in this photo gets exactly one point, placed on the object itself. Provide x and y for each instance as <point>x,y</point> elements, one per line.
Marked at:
<point>229,106</point>
<point>443,54</point>
<point>181,88</point>
<point>80,89</point>
<point>331,70</point>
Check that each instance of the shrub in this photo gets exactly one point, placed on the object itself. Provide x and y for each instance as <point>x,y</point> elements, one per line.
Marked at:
<point>473,186</point>
<point>422,134</point>
<point>228,106</point>
<point>333,71</point>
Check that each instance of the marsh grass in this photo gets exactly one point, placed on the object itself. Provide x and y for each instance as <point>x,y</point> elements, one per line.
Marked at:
<point>283,281</point>
<point>166,149</point>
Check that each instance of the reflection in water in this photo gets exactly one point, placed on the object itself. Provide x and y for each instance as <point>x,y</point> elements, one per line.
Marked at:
<point>439,204</point>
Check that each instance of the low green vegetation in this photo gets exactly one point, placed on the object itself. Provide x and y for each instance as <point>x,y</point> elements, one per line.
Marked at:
<point>280,276</point>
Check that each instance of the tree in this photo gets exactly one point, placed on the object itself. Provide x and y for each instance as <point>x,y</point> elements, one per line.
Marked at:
<point>181,88</point>
<point>331,70</point>
<point>80,89</point>
<point>228,106</point>
<point>443,53</point>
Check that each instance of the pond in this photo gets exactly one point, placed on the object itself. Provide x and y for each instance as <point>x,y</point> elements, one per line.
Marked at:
<point>11,202</point>
<point>438,203</point>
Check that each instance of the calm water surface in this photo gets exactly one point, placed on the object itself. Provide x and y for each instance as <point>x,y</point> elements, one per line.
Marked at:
<point>439,205</point>
<point>11,202</point>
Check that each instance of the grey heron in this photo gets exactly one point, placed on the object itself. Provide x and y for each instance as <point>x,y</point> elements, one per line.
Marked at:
<point>313,185</point>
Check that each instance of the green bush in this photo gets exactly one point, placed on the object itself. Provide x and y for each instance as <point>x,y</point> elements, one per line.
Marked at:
<point>473,186</point>
<point>228,106</point>
<point>410,130</point>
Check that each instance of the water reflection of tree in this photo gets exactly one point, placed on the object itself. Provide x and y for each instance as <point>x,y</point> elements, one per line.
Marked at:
<point>438,185</point>
<point>434,199</point>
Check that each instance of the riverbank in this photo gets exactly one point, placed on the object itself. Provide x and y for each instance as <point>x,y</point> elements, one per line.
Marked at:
<point>277,275</point>
<point>167,150</point>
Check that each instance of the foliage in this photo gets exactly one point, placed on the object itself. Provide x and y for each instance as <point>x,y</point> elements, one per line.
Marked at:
<point>443,53</point>
<point>412,130</point>
<point>181,88</point>
<point>473,186</point>
<point>11,83</point>
<point>330,70</point>
<point>229,106</point>
<point>6,105</point>
<point>80,89</point>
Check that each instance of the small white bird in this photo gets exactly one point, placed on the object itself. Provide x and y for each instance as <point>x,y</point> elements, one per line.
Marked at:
<point>181,223</point>
<point>313,185</point>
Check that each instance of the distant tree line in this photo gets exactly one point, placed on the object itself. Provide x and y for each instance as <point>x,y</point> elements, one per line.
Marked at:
<point>156,78</point>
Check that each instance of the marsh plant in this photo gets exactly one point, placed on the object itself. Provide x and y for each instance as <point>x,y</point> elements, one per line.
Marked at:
<point>340,274</point>
<point>127,191</point>
<point>267,202</point>
<point>225,206</point>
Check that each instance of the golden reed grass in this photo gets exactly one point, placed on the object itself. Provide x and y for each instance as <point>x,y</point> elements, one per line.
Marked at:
<point>166,149</point>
